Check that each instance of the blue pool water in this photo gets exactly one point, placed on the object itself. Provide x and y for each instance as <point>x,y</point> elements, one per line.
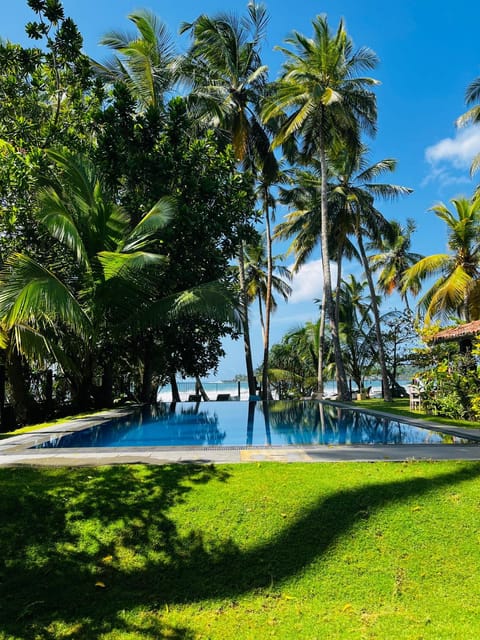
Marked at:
<point>248,424</point>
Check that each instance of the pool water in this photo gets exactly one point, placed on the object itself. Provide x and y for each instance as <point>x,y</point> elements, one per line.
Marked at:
<point>248,424</point>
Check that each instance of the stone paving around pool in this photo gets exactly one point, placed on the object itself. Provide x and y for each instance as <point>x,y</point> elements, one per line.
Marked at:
<point>17,450</point>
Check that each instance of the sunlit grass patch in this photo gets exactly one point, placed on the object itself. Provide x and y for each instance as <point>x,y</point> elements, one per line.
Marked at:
<point>401,407</point>
<point>242,551</point>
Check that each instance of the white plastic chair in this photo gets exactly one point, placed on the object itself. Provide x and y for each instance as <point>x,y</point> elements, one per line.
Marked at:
<point>414,395</point>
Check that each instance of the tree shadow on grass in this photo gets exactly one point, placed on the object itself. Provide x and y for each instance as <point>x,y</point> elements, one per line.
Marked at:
<point>62,543</point>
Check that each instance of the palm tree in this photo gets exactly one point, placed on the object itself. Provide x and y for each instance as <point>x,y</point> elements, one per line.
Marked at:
<point>143,61</point>
<point>472,116</point>
<point>357,328</point>
<point>227,79</point>
<point>354,189</point>
<point>321,98</point>
<point>268,202</point>
<point>294,361</point>
<point>257,277</point>
<point>394,259</point>
<point>304,225</point>
<point>457,288</point>
<point>111,271</point>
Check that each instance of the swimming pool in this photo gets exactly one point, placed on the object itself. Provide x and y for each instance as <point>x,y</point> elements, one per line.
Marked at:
<point>240,424</point>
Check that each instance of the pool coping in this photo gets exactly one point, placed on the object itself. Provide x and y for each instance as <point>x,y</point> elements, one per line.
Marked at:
<point>17,449</point>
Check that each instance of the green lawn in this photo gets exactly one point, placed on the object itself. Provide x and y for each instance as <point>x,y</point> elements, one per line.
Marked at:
<point>401,407</point>
<point>347,551</point>
<point>51,423</point>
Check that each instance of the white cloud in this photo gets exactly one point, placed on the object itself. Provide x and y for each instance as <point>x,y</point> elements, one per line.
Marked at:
<point>450,158</point>
<point>307,283</point>
<point>458,151</point>
<point>443,176</point>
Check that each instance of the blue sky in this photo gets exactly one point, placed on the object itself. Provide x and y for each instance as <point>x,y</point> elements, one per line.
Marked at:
<point>428,52</point>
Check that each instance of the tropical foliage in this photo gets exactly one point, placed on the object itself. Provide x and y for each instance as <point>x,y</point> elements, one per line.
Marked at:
<point>457,287</point>
<point>164,207</point>
<point>321,99</point>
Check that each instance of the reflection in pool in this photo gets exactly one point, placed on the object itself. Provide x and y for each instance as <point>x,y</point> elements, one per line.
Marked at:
<point>248,424</point>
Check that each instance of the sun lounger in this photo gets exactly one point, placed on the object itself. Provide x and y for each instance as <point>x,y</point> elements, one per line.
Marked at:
<point>223,396</point>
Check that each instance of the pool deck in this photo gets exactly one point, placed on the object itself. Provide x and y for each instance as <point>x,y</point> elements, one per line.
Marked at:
<point>17,450</point>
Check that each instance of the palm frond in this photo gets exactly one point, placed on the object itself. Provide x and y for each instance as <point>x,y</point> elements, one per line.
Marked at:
<point>156,219</point>
<point>30,294</point>
<point>57,219</point>
<point>128,265</point>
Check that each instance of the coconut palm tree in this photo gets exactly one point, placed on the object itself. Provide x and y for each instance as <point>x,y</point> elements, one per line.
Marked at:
<point>304,226</point>
<point>144,61</point>
<point>227,79</point>
<point>353,190</point>
<point>257,276</point>
<point>321,97</point>
<point>110,271</point>
<point>265,182</point>
<point>394,259</point>
<point>357,328</point>
<point>457,287</point>
<point>224,72</point>
<point>294,361</point>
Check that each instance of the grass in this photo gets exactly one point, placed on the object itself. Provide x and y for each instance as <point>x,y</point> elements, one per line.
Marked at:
<point>52,423</point>
<point>357,551</point>
<point>401,407</point>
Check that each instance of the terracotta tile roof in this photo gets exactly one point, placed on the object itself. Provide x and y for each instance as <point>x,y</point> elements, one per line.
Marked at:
<point>467,330</point>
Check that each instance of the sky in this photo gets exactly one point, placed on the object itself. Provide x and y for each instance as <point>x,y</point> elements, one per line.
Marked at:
<point>429,52</point>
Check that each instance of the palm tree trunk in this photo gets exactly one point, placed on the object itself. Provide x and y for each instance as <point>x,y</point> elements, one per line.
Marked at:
<point>174,386</point>
<point>200,389</point>
<point>387,394</point>
<point>252,386</point>
<point>2,390</point>
<point>24,403</point>
<point>336,300</point>
<point>342,384</point>
<point>268,305</point>
<point>260,313</point>
<point>146,388</point>
<point>321,346</point>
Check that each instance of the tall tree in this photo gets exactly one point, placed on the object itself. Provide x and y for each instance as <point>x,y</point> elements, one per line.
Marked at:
<point>257,274</point>
<point>144,158</point>
<point>110,268</point>
<point>322,97</point>
<point>394,259</point>
<point>144,61</point>
<point>227,79</point>
<point>304,226</point>
<point>268,202</point>
<point>354,189</point>
<point>457,287</point>
<point>357,329</point>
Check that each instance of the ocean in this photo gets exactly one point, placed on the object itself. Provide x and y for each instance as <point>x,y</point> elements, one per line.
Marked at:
<point>213,388</point>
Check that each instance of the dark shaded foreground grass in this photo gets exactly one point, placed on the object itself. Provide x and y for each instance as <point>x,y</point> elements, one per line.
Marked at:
<point>248,551</point>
